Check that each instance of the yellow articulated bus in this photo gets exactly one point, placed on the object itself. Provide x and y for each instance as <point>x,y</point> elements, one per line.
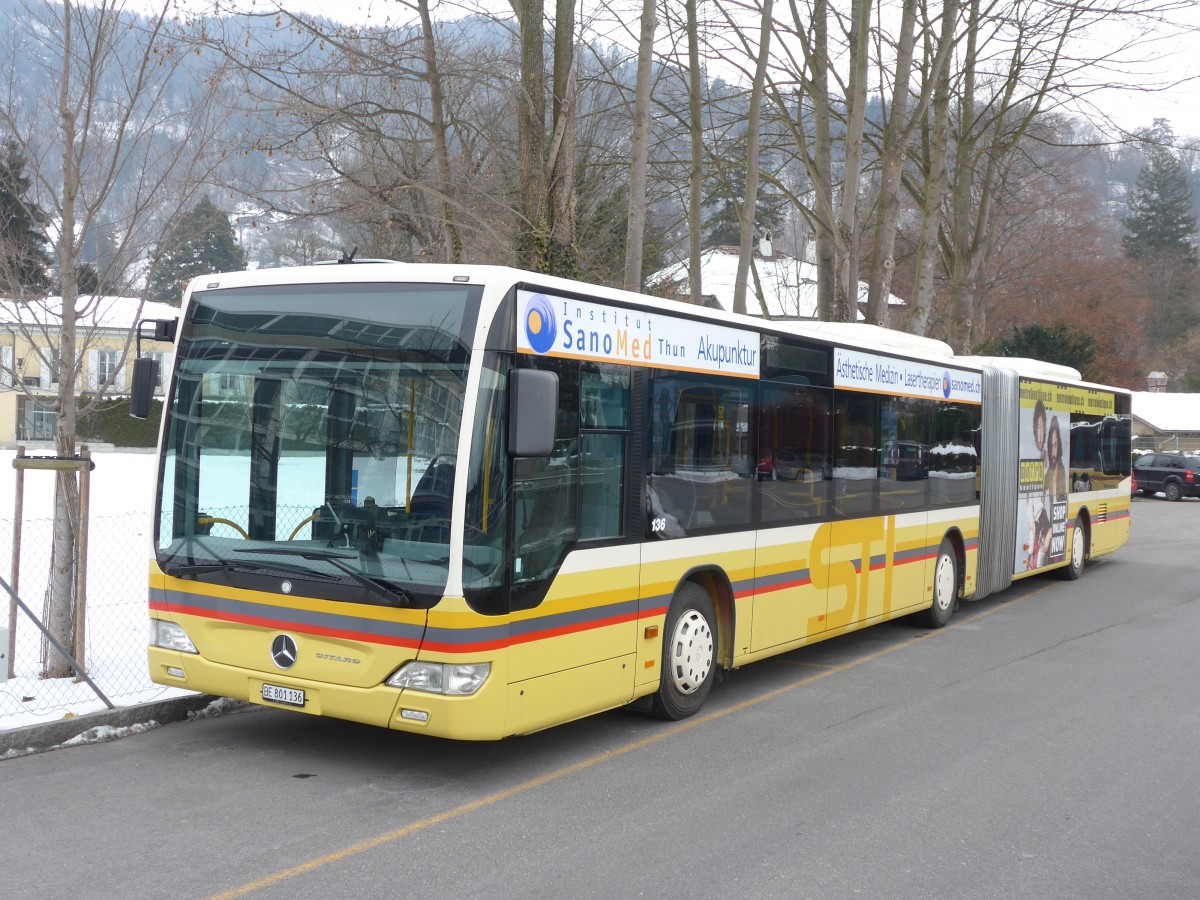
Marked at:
<point>475,502</point>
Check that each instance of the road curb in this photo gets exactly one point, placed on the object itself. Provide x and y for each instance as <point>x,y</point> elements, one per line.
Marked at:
<point>46,735</point>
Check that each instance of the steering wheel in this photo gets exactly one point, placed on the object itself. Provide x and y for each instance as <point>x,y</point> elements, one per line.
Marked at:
<point>217,520</point>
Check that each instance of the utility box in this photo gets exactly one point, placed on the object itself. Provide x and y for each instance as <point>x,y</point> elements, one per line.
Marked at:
<point>3,655</point>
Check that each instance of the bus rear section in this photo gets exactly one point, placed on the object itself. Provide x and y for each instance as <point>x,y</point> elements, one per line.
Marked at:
<point>1055,471</point>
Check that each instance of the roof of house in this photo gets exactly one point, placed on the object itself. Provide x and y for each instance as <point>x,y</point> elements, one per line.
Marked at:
<point>120,313</point>
<point>1171,413</point>
<point>789,284</point>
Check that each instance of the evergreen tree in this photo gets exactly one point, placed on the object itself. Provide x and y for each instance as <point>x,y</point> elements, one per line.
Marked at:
<point>1160,223</point>
<point>24,263</point>
<point>1057,343</point>
<point>1161,235</point>
<point>725,190</point>
<point>202,242</point>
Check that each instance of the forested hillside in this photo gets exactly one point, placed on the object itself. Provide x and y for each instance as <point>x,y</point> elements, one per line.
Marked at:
<point>951,179</point>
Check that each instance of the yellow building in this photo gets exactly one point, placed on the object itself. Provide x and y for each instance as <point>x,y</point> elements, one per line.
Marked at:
<point>30,366</point>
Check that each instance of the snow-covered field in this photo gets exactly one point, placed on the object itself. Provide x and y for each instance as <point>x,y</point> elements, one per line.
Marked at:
<point>121,502</point>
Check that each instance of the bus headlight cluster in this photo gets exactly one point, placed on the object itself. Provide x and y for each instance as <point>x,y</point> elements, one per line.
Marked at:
<point>170,636</point>
<point>454,679</point>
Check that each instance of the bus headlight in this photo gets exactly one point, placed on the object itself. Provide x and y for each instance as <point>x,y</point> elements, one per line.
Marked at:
<point>170,636</point>
<point>455,679</point>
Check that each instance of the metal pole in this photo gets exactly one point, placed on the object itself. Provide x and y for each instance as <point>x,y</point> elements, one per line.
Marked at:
<point>18,514</point>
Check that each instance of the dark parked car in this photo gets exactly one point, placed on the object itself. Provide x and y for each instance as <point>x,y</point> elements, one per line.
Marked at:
<point>1177,475</point>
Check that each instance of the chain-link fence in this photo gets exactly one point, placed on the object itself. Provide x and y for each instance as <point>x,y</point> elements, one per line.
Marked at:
<point>115,623</point>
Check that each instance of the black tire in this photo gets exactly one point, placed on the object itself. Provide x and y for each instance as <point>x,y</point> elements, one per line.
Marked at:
<point>945,588</point>
<point>1076,553</point>
<point>689,654</point>
<point>1172,491</point>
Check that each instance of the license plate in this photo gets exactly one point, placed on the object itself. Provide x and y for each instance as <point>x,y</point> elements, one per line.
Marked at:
<point>287,696</point>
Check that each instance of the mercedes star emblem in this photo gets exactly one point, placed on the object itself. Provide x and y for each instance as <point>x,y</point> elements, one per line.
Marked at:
<point>283,651</point>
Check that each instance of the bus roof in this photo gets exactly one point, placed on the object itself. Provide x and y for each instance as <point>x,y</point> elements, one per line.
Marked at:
<point>855,334</point>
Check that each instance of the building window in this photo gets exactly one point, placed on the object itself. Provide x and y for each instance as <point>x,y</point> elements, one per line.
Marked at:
<point>43,424</point>
<point>34,422</point>
<point>107,363</point>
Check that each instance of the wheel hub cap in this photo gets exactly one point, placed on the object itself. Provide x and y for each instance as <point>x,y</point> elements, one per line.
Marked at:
<point>692,652</point>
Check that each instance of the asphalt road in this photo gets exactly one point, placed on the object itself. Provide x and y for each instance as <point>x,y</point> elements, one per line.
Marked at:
<point>1043,745</point>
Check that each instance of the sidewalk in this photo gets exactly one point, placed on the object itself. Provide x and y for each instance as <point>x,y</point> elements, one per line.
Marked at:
<point>98,726</point>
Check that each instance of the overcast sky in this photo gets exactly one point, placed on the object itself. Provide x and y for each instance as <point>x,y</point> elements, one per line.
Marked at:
<point>1172,57</point>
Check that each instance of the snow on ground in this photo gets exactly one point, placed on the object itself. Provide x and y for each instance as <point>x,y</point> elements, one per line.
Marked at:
<point>121,495</point>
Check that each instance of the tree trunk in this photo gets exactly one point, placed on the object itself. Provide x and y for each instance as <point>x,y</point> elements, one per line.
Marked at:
<point>60,604</point>
<point>635,225</point>
<point>563,254</point>
<point>900,130</point>
<point>895,143</point>
<point>935,186</point>
<point>696,173</point>
<point>750,203</point>
<point>845,284</point>
<point>441,153</point>
<point>822,162</point>
<point>962,292</point>
<point>531,137</point>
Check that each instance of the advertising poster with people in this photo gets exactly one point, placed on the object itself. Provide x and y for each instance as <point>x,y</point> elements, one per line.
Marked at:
<point>1047,413</point>
<point>1045,433</point>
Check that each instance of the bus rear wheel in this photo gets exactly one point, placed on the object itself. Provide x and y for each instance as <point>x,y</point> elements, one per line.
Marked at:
<point>689,654</point>
<point>1076,552</point>
<point>945,588</point>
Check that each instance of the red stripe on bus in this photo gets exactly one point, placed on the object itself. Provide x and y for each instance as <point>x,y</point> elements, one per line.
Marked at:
<point>514,640</point>
<point>282,625</point>
<point>427,644</point>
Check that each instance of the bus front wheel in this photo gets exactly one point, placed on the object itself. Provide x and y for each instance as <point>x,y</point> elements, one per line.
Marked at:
<point>945,588</point>
<point>689,654</point>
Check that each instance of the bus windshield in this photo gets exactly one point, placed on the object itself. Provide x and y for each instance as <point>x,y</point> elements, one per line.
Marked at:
<point>310,439</point>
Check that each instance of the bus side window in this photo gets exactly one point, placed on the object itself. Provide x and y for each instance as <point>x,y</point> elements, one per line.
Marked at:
<point>602,485</point>
<point>953,454</point>
<point>604,415</point>
<point>545,514</point>
<point>793,452</point>
<point>702,473</point>
<point>856,455</point>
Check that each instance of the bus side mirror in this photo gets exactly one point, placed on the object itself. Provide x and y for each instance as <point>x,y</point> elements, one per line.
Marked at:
<point>532,410</point>
<point>145,377</point>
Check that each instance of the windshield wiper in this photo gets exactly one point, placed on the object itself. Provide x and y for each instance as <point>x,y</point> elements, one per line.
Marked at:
<point>387,589</point>
<point>183,570</point>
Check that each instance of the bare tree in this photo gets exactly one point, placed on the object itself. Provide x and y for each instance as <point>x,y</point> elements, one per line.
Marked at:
<point>635,230</point>
<point>98,112</point>
<point>437,121</point>
<point>930,189</point>
<point>802,83</point>
<point>899,129</point>
<point>696,144</point>
<point>750,203</point>
<point>562,257</point>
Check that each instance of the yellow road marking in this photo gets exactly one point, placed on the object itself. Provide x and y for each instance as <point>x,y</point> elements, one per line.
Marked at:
<point>565,771</point>
<point>804,665</point>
